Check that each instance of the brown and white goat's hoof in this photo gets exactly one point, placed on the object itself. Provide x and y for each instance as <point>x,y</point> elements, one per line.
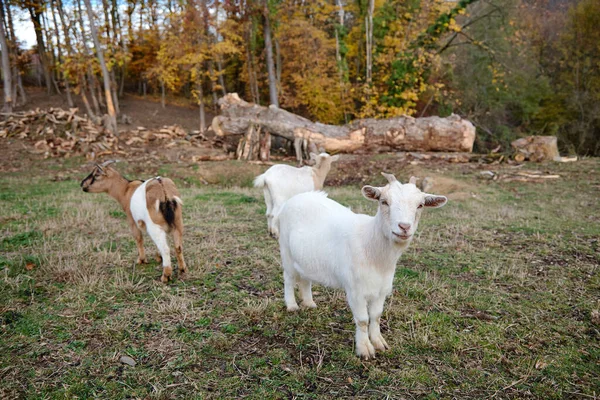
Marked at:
<point>141,260</point>
<point>166,275</point>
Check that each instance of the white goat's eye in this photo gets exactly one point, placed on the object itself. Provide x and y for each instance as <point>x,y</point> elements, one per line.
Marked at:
<point>384,203</point>
<point>420,206</point>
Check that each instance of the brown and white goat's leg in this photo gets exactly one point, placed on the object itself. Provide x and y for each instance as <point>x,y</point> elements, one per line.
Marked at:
<point>159,237</point>
<point>178,242</point>
<point>139,242</point>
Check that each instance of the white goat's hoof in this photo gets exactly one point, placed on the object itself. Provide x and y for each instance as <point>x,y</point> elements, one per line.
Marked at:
<point>293,307</point>
<point>379,343</point>
<point>309,304</point>
<point>365,350</point>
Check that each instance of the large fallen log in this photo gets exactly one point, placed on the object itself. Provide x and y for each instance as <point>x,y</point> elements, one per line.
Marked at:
<point>239,117</point>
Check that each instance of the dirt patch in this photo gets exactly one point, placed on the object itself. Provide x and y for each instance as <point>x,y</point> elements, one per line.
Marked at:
<point>146,112</point>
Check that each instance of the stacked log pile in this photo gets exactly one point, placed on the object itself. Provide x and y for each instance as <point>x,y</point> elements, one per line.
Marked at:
<point>62,133</point>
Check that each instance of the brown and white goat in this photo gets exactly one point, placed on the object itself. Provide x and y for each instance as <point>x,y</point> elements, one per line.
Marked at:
<point>153,205</point>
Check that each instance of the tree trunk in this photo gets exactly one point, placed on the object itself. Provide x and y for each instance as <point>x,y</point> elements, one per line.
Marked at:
<point>59,49</point>
<point>273,97</point>
<point>39,35</point>
<point>6,70</point>
<point>221,79</point>
<point>86,102</point>
<point>105,74</point>
<point>369,40</point>
<point>162,94</point>
<point>113,86</point>
<point>402,133</point>
<point>201,107</point>
<point>91,83</point>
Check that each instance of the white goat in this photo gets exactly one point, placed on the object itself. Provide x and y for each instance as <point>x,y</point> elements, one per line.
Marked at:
<point>324,242</point>
<point>281,182</point>
<point>153,205</point>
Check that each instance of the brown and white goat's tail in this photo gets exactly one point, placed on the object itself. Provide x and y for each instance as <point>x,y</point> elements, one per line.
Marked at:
<point>167,200</point>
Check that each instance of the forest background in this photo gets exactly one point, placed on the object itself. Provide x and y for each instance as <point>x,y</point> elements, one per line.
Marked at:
<point>512,67</point>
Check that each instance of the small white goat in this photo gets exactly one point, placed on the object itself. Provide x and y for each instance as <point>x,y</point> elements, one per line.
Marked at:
<point>281,182</point>
<point>324,242</point>
<point>153,205</point>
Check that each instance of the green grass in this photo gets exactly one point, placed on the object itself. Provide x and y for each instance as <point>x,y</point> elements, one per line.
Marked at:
<point>498,296</point>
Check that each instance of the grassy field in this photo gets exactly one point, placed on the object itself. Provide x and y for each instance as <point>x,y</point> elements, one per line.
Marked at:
<point>498,297</point>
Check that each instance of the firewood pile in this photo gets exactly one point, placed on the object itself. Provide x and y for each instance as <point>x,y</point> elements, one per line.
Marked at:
<point>62,133</point>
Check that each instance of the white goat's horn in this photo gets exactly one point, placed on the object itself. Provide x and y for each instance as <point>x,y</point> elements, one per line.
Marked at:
<point>413,180</point>
<point>391,178</point>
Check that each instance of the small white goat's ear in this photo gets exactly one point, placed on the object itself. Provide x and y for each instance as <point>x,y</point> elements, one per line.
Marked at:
<point>313,156</point>
<point>335,158</point>
<point>391,178</point>
<point>413,180</point>
<point>371,193</point>
<point>433,201</point>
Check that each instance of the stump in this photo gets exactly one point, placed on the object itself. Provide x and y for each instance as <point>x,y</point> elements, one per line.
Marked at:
<point>536,149</point>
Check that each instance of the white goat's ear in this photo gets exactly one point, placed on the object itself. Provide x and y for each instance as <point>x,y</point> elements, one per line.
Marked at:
<point>335,158</point>
<point>313,156</point>
<point>391,178</point>
<point>371,193</point>
<point>413,180</point>
<point>433,201</point>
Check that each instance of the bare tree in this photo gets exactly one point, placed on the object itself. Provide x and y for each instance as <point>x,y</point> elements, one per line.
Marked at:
<point>273,97</point>
<point>6,71</point>
<point>112,115</point>
<point>36,9</point>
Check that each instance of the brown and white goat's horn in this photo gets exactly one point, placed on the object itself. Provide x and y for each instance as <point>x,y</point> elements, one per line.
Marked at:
<point>413,180</point>
<point>391,178</point>
<point>107,163</point>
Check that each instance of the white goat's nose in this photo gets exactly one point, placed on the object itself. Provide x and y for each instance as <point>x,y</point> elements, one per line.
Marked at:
<point>405,227</point>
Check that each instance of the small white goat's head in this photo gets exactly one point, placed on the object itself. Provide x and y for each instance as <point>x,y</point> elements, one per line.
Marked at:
<point>101,178</point>
<point>400,206</point>
<point>323,159</point>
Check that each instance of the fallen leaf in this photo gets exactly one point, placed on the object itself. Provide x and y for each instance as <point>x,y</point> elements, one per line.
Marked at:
<point>29,266</point>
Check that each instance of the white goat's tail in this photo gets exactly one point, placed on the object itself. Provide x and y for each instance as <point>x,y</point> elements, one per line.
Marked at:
<point>259,181</point>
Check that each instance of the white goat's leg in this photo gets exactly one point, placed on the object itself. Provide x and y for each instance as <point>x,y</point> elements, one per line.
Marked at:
<point>375,310</point>
<point>269,203</point>
<point>289,282</point>
<point>159,237</point>
<point>305,287</point>
<point>275,221</point>
<point>289,279</point>
<point>358,305</point>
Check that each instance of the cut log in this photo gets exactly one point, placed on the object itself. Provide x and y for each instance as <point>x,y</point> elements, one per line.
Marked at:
<point>402,133</point>
<point>536,148</point>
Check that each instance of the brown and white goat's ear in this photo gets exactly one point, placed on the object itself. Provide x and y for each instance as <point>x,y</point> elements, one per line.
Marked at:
<point>371,193</point>
<point>434,201</point>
